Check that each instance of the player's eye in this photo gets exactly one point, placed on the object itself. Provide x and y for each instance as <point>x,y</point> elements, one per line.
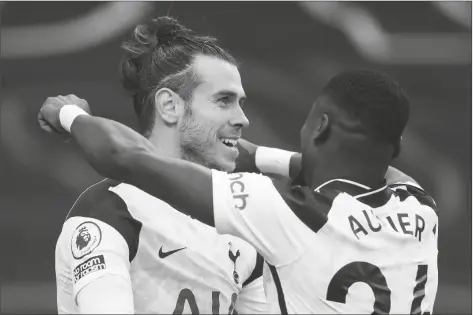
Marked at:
<point>225,100</point>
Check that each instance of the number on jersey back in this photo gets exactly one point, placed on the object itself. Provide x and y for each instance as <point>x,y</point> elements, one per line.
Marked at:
<point>344,248</point>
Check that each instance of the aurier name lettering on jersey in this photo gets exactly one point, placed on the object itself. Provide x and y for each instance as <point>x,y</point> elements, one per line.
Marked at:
<point>320,244</point>
<point>176,265</point>
<point>406,223</point>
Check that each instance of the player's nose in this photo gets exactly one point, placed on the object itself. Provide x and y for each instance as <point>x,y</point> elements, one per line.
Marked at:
<point>239,118</point>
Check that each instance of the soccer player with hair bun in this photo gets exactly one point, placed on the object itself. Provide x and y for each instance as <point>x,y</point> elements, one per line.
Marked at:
<point>123,251</point>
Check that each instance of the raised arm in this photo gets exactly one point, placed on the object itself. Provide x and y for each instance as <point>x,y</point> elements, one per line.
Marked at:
<point>248,206</point>
<point>118,152</point>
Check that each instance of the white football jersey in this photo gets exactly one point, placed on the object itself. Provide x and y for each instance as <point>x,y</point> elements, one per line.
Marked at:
<point>177,265</point>
<point>343,248</point>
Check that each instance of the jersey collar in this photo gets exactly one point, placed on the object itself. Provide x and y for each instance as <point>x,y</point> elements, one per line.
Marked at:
<point>374,197</point>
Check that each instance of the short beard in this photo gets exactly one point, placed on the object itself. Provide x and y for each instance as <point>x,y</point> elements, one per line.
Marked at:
<point>192,147</point>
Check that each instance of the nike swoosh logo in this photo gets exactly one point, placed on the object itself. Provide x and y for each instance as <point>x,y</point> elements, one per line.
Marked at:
<point>166,254</point>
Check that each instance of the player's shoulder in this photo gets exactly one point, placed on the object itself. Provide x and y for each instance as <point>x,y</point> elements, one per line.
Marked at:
<point>405,190</point>
<point>98,201</point>
<point>99,205</point>
<point>310,206</point>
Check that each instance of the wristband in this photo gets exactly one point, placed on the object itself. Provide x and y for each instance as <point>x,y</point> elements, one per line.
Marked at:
<point>68,113</point>
<point>274,161</point>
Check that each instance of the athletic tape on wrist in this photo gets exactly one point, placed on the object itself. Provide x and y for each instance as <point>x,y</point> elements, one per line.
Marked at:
<point>68,113</point>
<point>274,161</point>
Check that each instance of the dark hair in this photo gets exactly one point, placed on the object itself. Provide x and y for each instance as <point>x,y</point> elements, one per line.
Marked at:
<point>375,100</point>
<point>160,54</point>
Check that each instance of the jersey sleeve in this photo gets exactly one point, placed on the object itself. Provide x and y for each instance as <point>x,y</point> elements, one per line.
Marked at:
<point>106,295</point>
<point>98,238</point>
<point>94,249</point>
<point>249,206</point>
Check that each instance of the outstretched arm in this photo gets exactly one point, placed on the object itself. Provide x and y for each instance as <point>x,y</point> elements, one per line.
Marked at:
<point>120,153</point>
<point>214,197</point>
<point>247,206</point>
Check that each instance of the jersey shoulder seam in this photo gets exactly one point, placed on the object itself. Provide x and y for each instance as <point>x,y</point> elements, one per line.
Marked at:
<point>100,203</point>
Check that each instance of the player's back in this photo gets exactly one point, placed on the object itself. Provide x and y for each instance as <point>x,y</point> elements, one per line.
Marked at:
<point>175,264</point>
<point>344,248</point>
<point>366,258</point>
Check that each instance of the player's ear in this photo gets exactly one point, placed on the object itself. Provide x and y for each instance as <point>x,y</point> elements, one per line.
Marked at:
<point>168,105</point>
<point>321,131</point>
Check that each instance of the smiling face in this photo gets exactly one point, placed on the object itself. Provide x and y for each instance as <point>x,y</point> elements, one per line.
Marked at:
<point>214,119</point>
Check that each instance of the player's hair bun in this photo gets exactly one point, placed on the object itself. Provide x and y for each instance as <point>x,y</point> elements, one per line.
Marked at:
<point>161,31</point>
<point>166,30</point>
<point>156,51</point>
<point>147,42</point>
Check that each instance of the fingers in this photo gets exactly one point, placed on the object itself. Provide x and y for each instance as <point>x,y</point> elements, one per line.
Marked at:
<point>51,107</point>
<point>64,99</point>
<point>73,99</point>
<point>45,126</point>
<point>47,116</point>
<point>50,100</point>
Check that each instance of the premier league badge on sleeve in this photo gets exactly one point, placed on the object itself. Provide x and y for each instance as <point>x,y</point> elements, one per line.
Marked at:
<point>85,239</point>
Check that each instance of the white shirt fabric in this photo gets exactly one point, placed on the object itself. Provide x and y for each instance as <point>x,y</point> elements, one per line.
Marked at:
<point>343,248</point>
<point>170,262</point>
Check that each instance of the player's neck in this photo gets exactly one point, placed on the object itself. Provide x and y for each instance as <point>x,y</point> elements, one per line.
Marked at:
<point>166,142</point>
<point>361,166</point>
<point>370,177</point>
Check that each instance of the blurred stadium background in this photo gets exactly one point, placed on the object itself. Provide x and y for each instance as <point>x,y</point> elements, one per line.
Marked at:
<point>287,49</point>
